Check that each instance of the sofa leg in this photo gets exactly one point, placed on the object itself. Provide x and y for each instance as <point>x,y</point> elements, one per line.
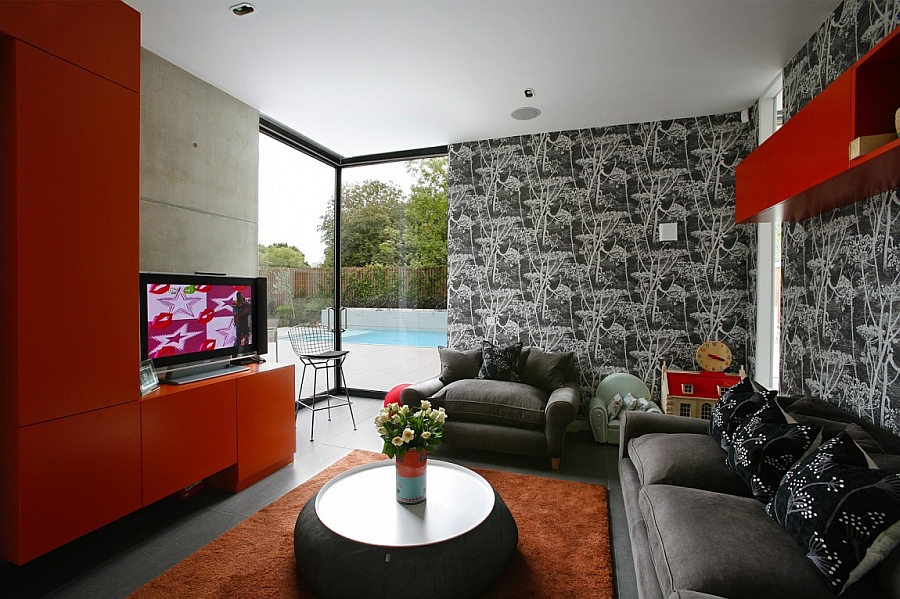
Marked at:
<point>554,463</point>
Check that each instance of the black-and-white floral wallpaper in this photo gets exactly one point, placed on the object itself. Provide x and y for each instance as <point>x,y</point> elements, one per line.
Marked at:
<point>841,270</point>
<point>553,242</point>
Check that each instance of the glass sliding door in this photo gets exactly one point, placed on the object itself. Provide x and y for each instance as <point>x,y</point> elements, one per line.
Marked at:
<point>393,271</point>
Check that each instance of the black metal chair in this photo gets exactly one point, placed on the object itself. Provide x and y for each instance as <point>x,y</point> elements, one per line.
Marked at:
<point>314,346</point>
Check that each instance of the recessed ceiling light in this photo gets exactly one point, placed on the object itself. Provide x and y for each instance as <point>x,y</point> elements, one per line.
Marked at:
<point>526,113</point>
<point>243,9</point>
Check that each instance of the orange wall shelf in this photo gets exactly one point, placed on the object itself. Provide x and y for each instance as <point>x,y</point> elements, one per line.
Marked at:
<point>804,169</point>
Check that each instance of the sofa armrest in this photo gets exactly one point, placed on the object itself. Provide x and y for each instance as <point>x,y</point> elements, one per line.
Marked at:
<point>598,417</point>
<point>636,423</point>
<point>562,405</point>
<point>414,394</point>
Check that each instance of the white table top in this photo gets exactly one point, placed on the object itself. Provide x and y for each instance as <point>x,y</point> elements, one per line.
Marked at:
<point>361,505</point>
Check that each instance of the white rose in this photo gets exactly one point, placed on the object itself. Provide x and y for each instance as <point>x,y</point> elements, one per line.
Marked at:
<point>426,435</point>
<point>381,419</point>
<point>426,405</point>
<point>381,430</point>
<point>396,419</point>
<point>397,441</point>
<point>408,434</point>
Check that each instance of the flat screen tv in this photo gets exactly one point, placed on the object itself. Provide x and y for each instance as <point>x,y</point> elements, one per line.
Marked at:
<point>196,319</point>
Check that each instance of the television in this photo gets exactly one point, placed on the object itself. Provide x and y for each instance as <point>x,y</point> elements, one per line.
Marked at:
<point>197,326</point>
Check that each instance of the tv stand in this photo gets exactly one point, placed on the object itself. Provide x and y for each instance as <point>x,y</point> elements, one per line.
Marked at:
<point>193,374</point>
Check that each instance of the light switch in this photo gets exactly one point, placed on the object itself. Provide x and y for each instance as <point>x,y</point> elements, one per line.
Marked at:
<point>668,232</point>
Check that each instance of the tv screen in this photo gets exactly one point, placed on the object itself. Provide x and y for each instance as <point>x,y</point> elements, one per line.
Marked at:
<point>194,318</point>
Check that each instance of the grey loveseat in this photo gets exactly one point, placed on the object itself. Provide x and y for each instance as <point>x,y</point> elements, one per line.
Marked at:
<point>528,416</point>
<point>696,529</point>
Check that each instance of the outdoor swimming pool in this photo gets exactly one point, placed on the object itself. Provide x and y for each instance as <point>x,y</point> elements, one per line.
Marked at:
<point>405,337</point>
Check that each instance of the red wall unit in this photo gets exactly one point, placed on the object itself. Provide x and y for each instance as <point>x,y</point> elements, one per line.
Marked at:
<point>187,433</point>
<point>69,416</point>
<point>804,169</point>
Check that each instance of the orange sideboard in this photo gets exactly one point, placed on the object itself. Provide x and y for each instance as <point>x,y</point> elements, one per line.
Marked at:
<point>804,168</point>
<point>237,427</point>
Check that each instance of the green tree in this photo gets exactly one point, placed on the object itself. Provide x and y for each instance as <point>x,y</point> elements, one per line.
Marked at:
<point>281,255</point>
<point>426,213</point>
<point>372,217</point>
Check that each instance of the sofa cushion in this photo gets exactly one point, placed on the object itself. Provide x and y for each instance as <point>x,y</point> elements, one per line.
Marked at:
<point>457,365</point>
<point>736,404</point>
<point>545,370</point>
<point>725,545</point>
<point>500,363</point>
<point>812,409</point>
<point>493,402</point>
<point>766,445</point>
<point>842,511</point>
<point>686,460</point>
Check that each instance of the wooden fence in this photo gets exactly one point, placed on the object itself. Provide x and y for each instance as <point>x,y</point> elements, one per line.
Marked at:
<point>368,287</point>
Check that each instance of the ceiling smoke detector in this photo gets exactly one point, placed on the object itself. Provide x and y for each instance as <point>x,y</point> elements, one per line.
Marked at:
<point>526,113</point>
<point>243,9</point>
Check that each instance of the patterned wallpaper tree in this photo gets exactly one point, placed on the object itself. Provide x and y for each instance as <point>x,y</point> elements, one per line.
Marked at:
<point>553,242</point>
<point>841,270</point>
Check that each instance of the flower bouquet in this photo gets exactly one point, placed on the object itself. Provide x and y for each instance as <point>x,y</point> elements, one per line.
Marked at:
<point>405,429</point>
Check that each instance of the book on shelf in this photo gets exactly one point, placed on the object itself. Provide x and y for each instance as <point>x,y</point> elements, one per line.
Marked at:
<point>865,144</point>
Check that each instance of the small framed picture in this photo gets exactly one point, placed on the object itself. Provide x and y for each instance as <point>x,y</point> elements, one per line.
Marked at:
<point>149,380</point>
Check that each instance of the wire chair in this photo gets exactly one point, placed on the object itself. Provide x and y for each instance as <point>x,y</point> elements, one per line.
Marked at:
<point>314,346</point>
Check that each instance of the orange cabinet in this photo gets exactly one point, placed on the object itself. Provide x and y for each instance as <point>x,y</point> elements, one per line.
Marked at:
<point>234,431</point>
<point>79,473</point>
<point>804,169</point>
<point>76,272</point>
<point>187,433</point>
<point>69,224</point>
<point>267,436</point>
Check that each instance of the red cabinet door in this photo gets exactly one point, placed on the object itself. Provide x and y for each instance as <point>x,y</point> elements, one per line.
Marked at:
<point>77,474</point>
<point>187,435</point>
<point>267,436</point>
<point>77,150</point>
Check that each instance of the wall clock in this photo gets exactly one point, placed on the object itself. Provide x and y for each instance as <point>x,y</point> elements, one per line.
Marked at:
<point>713,356</point>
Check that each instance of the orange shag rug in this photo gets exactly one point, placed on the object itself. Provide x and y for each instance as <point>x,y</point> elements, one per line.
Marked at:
<point>563,551</point>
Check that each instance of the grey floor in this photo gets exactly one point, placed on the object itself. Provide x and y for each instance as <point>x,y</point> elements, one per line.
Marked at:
<point>121,557</point>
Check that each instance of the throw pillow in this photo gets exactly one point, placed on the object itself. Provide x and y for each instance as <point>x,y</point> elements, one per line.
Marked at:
<point>500,363</point>
<point>457,365</point>
<point>615,407</point>
<point>841,510</point>
<point>766,445</point>
<point>545,370</point>
<point>629,402</point>
<point>736,405</point>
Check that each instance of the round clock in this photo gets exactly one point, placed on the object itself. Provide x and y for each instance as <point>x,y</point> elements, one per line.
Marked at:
<point>714,356</point>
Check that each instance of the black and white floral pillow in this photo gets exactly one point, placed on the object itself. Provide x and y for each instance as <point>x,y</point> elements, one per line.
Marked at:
<point>766,445</point>
<point>841,509</point>
<point>736,405</point>
<point>500,363</point>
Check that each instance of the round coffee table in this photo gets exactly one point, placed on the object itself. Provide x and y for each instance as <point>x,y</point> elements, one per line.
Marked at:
<point>353,539</point>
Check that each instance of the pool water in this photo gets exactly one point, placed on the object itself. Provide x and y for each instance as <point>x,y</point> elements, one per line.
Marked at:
<point>407,337</point>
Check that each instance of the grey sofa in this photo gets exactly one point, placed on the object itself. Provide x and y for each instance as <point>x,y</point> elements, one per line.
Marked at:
<point>697,531</point>
<point>526,417</point>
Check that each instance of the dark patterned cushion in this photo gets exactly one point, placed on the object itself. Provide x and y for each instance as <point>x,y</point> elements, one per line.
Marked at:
<point>500,363</point>
<point>766,445</point>
<point>736,404</point>
<point>841,510</point>
<point>457,365</point>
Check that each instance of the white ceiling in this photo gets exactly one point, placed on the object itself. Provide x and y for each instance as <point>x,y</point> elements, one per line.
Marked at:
<point>372,76</point>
